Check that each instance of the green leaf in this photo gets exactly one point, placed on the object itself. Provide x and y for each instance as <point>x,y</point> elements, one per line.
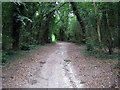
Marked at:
<point>67,60</point>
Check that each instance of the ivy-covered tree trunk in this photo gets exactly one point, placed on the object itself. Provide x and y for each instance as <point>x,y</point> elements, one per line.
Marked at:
<point>17,10</point>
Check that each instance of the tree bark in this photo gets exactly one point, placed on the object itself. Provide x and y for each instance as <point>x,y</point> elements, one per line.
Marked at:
<point>106,25</point>
<point>79,20</point>
<point>98,28</point>
<point>118,25</point>
<point>47,39</point>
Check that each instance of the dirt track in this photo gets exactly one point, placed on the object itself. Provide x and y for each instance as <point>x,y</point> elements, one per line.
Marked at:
<point>46,68</point>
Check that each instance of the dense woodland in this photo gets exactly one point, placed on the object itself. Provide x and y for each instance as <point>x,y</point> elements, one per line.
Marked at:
<point>94,24</point>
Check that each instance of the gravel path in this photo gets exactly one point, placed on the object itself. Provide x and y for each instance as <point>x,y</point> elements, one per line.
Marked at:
<point>46,68</point>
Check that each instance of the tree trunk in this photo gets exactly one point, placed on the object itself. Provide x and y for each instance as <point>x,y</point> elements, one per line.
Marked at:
<point>47,38</point>
<point>108,39</point>
<point>61,33</point>
<point>38,34</point>
<point>118,25</point>
<point>98,28</point>
<point>16,26</point>
<point>79,20</point>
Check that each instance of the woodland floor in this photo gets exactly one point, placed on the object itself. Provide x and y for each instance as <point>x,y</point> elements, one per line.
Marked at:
<point>46,68</point>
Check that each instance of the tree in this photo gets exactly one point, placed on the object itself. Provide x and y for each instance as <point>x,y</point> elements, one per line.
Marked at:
<point>98,28</point>
<point>79,19</point>
<point>16,24</point>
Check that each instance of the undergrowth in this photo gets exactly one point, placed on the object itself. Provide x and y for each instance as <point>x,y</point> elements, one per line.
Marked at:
<point>11,55</point>
<point>54,42</point>
<point>104,55</point>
